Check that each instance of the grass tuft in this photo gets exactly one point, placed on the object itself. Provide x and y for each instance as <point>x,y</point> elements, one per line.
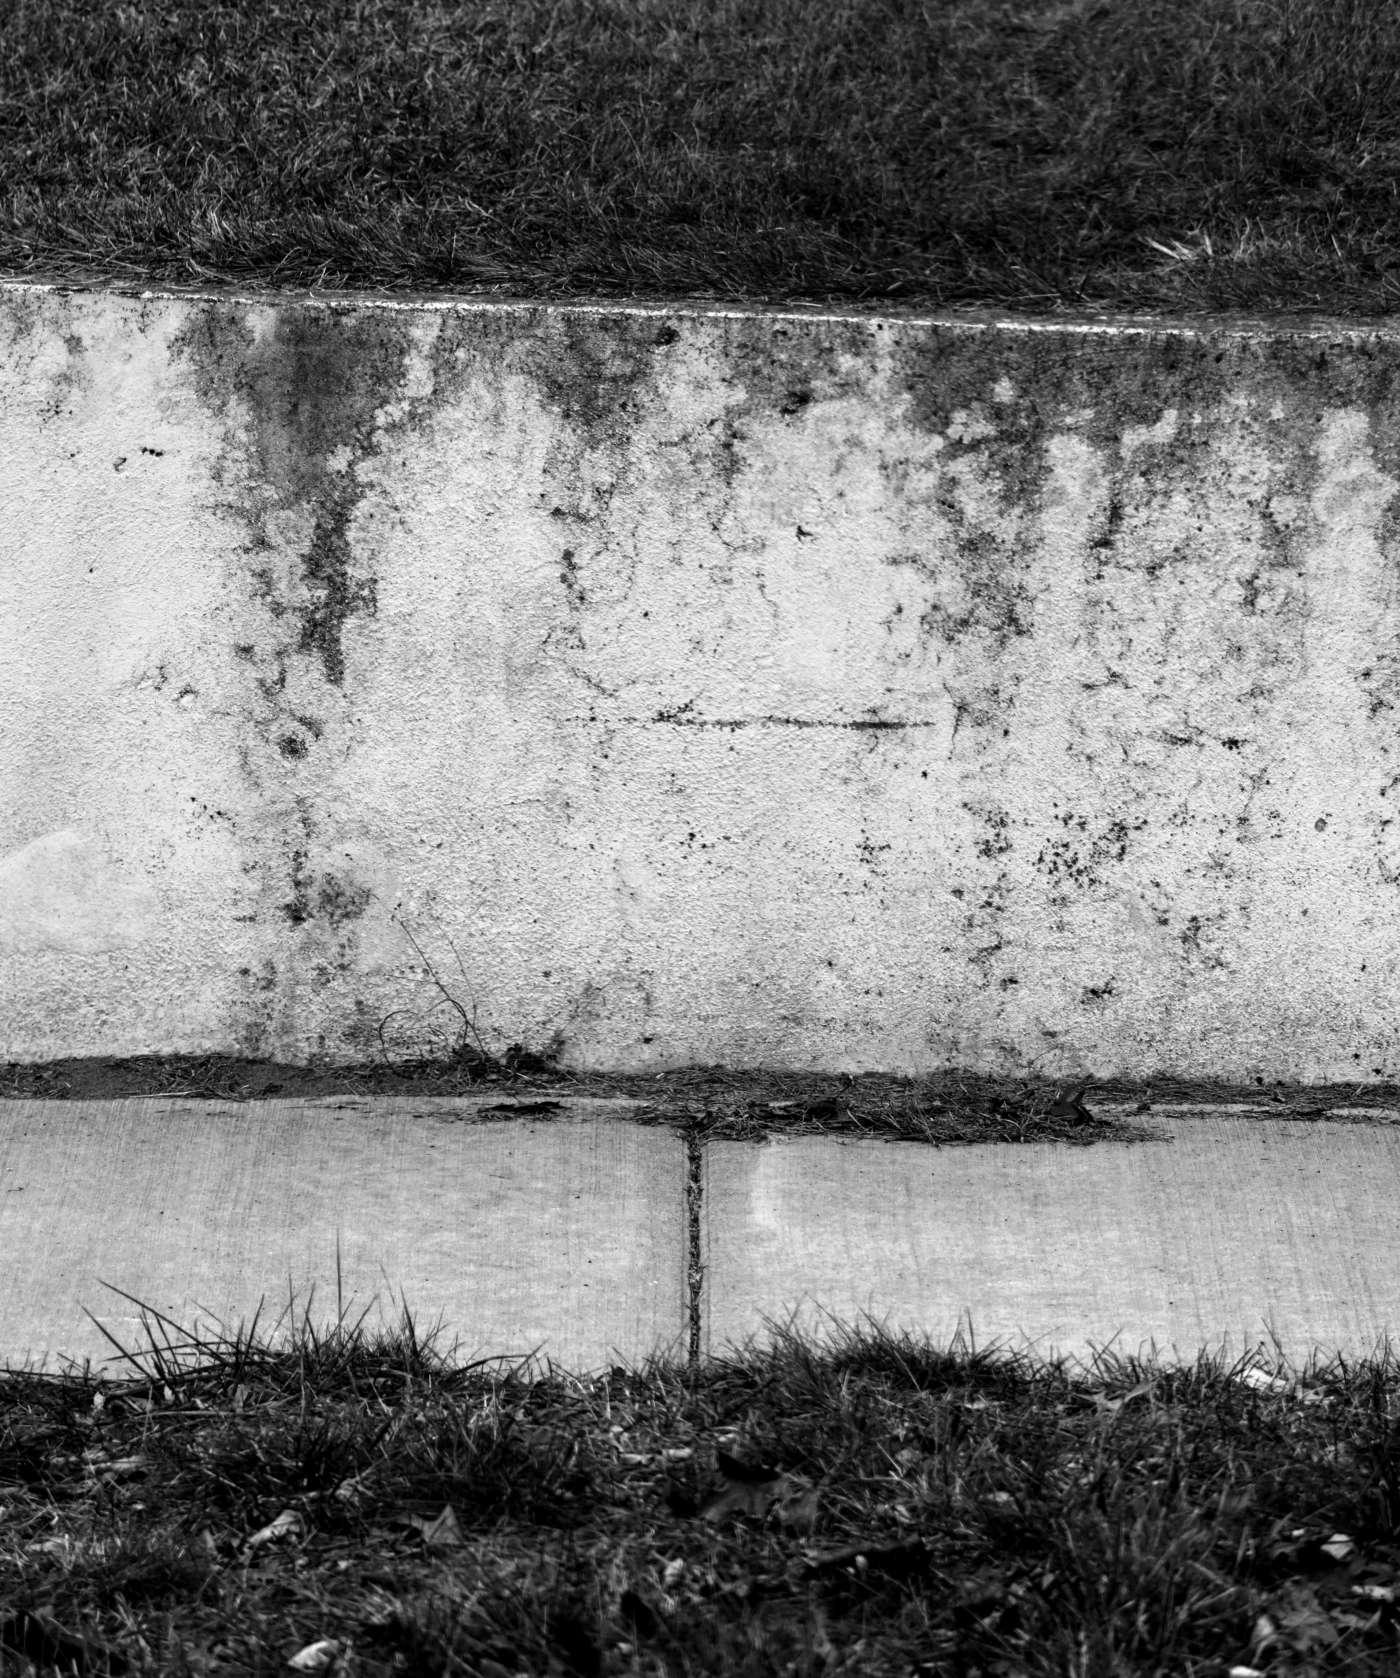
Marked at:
<point>869,1503</point>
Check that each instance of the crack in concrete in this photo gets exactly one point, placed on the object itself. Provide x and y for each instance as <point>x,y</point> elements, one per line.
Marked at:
<point>677,719</point>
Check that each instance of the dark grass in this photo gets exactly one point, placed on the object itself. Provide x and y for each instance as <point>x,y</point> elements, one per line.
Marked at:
<point>872,1504</point>
<point>1176,155</point>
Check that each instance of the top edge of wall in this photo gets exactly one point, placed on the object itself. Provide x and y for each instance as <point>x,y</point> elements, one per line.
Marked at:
<point>1088,322</point>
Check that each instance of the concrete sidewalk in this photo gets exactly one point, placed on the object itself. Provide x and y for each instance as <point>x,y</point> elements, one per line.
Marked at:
<point>1227,1233</point>
<point>563,1237</point>
<point>575,1235</point>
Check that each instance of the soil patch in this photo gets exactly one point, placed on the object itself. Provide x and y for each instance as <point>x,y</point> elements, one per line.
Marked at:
<point>723,1103</point>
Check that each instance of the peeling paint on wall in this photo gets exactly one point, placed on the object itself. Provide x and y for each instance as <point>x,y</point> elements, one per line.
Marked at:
<point>662,685</point>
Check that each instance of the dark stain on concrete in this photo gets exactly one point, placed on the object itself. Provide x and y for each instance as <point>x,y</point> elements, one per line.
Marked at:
<point>310,386</point>
<point>326,898</point>
<point>336,595</point>
<point>1078,856</point>
<point>339,900</point>
<point>592,370</point>
<point>989,573</point>
<point>1193,938</point>
<point>783,366</point>
<point>1103,385</point>
<point>948,380</point>
<point>72,378</point>
<point>599,372</point>
<point>297,908</point>
<point>1113,524</point>
<point>302,392</point>
<point>254,1021</point>
<point>569,576</point>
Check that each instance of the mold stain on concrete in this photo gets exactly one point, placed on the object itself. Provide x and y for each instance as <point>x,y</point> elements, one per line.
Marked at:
<point>591,371</point>
<point>307,393</point>
<point>307,396</point>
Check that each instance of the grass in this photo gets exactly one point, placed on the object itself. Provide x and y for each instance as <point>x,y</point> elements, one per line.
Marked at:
<point>1179,155</point>
<point>872,1505</point>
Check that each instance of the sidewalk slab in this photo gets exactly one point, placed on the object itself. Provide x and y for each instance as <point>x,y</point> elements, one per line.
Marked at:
<point>566,1235</point>
<point>1223,1235</point>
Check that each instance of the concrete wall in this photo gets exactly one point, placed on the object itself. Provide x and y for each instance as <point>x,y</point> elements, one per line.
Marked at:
<point>698,685</point>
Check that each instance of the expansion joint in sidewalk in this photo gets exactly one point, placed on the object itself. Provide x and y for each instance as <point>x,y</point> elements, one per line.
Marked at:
<point>695,1268</point>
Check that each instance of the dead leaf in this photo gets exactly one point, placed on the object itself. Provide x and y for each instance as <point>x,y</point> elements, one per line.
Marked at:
<point>1296,1619</point>
<point>1111,1406</point>
<point>115,1468</point>
<point>1348,1621</point>
<point>1263,1382</point>
<point>289,1524</point>
<point>316,1657</point>
<point>735,1468</point>
<point>748,1489</point>
<point>744,1497</point>
<point>798,1506</point>
<point>891,1561</point>
<point>438,1532</point>
<point>1070,1105</point>
<point>59,1546</point>
<point>353,1489</point>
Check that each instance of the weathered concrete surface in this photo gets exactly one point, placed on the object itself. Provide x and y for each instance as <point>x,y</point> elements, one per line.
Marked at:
<point>698,685</point>
<point>1233,1233</point>
<point>568,1237</point>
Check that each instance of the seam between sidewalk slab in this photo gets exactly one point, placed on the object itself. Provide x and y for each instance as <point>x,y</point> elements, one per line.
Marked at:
<point>695,1267</point>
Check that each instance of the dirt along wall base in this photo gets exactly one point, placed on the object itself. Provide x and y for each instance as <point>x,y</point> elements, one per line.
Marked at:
<point>698,685</point>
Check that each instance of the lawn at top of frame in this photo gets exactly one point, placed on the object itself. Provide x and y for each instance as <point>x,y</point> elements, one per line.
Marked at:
<point>1177,155</point>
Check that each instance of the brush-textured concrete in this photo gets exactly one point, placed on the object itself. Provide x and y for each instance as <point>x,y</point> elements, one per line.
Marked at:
<point>1232,1228</point>
<point>698,685</point>
<point>567,1237</point>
